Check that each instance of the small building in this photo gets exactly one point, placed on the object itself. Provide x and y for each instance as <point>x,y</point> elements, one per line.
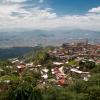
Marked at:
<point>84,75</point>
<point>57,63</point>
<point>21,67</point>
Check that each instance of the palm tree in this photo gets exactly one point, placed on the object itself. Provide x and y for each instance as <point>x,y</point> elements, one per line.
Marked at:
<point>24,91</point>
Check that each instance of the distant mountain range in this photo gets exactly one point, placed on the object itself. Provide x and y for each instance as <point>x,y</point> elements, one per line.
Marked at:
<point>22,37</point>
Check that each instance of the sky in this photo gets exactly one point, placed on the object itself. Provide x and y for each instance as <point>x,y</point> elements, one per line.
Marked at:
<point>50,14</point>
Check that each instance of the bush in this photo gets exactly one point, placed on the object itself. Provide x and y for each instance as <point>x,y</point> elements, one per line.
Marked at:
<point>96,69</point>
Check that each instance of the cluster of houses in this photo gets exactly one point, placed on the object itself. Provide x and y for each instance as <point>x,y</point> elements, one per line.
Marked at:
<point>77,50</point>
<point>62,74</point>
<point>20,65</point>
<point>58,73</point>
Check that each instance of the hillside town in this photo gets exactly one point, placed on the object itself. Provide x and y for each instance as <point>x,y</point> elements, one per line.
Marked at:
<point>72,69</point>
<point>66,67</point>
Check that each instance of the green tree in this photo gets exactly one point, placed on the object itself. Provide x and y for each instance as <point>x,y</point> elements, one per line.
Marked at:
<point>5,63</point>
<point>93,92</point>
<point>24,91</point>
<point>94,80</point>
<point>86,64</point>
<point>41,57</point>
<point>96,69</point>
<point>50,94</point>
<point>78,86</point>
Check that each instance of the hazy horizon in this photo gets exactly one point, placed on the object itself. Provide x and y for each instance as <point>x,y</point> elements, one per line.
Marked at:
<point>48,22</point>
<point>28,38</point>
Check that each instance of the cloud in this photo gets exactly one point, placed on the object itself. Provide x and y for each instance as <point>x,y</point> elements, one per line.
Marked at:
<point>9,1</point>
<point>17,16</point>
<point>41,1</point>
<point>95,10</point>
